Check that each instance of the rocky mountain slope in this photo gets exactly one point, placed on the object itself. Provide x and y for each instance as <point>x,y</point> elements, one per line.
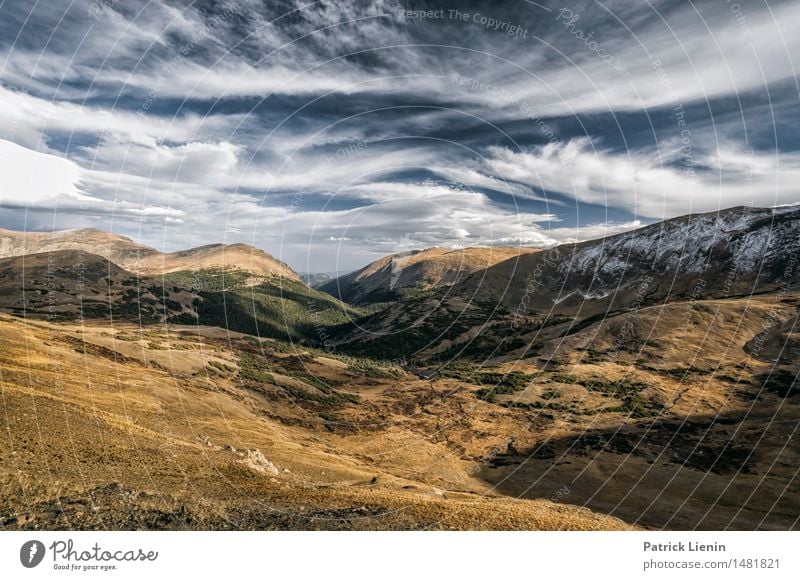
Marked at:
<point>647,379</point>
<point>734,252</point>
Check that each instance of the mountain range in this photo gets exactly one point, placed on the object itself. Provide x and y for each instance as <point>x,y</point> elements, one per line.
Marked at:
<point>144,260</point>
<point>540,295</point>
<point>647,379</point>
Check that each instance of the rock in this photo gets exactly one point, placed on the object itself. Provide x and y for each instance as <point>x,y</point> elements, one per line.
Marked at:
<point>256,461</point>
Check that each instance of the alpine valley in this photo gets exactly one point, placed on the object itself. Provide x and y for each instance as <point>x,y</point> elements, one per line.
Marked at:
<point>643,380</point>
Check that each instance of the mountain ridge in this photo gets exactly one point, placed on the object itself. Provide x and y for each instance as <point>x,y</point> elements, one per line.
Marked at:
<point>386,278</point>
<point>144,260</point>
<point>715,254</point>
<point>559,291</point>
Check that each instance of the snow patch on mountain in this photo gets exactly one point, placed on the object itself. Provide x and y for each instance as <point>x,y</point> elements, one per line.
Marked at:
<point>743,238</point>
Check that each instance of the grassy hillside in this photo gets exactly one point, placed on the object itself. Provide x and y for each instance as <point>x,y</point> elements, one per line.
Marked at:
<point>195,428</point>
<point>71,284</point>
<point>273,307</point>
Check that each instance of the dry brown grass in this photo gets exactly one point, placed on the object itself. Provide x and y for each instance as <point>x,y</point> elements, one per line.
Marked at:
<point>99,440</point>
<point>163,412</point>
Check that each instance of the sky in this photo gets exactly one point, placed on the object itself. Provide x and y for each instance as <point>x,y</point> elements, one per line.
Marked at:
<point>333,133</point>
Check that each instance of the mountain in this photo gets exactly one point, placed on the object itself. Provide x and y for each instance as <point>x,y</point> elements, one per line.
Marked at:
<point>386,279</point>
<point>118,249</point>
<point>217,256</point>
<point>144,260</point>
<point>555,292</point>
<point>73,284</point>
<point>733,252</point>
<point>90,273</point>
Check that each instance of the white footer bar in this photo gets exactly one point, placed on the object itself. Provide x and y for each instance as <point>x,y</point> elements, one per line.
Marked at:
<point>408,555</point>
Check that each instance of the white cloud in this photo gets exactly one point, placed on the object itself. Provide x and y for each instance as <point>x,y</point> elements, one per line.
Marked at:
<point>192,162</point>
<point>30,119</point>
<point>648,185</point>
<point>698,58</point>
<point>29,177</point>
<point>592,231</point>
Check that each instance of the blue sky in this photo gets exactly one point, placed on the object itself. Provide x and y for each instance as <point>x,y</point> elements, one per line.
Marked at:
<point>332,133</point>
